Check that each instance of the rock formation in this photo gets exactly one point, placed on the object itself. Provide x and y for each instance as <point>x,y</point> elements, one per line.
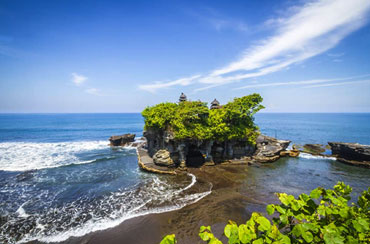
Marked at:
<point>291,153</point>
<point>268,149</point>
<point>351,153</point>
<point>121,140</point>
<point>315,149</point>
<point>166,151</point>
<point>163,158</point>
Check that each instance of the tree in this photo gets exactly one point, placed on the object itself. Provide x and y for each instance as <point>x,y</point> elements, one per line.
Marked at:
<point>194,120</point>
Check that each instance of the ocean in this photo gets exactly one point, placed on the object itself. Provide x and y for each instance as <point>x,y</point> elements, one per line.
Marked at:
<point>59,177</point>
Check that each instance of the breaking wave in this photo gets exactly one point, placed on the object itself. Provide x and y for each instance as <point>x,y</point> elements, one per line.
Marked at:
<point>53,191</point>
<point>23,156</point>
<point>310,156</point>
<point>82,216</point>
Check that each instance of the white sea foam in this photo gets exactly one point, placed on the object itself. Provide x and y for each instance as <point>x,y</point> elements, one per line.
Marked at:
<point>153,198</point>
<point>53,223</point>
<point>22,156</point>
<point>310,156</point>
<point>103,224</point>
<point>21,212</point>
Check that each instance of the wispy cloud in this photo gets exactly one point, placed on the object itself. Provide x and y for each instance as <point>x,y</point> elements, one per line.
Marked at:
<point>160,85</point>
<point>339,83</point>
<point>307,82</point>
<point>312,29</point>
<point>78,79</point>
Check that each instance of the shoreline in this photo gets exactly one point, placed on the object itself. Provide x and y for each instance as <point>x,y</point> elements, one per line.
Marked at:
<point>224,203</point>
<point>230,199</point>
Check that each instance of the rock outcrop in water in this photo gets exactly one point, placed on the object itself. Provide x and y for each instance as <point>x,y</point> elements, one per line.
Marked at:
<point>269,149</point>
<point>351,153</point>
<point>191,134</point>
<point>167,151</point>
<point>314,149</point>
<point>121,140</point>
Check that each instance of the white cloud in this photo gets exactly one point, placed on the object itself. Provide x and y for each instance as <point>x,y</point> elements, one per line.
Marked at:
<point>160,85</point>
<point>94,91</point>
<point>339,83</point>
<point>312,29</point>
<point>78,79</point>
<point>305,82</point>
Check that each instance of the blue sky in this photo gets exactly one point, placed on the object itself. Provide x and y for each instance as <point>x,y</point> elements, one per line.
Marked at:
<point>121,56</point>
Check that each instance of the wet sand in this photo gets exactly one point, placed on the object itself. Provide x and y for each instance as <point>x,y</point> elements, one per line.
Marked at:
<point>238,190</point>
<point>224,203</point>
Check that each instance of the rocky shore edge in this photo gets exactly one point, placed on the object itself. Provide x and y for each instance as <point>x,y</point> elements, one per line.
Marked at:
<point>351,153</point>
<point>267,150</point>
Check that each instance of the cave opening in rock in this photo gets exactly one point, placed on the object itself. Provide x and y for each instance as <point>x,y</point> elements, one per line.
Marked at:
<point>194,157</point>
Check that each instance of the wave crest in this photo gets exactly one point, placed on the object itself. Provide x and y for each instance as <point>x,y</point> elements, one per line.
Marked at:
<point>23,156</point>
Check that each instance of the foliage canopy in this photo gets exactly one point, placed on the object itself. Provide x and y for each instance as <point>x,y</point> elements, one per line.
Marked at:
<point>194,120</point>
<point>323,216</point>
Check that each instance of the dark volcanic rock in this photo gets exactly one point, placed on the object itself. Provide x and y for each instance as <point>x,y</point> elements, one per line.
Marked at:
<point>315,149</point>
<point>351,153</point>
<point>121,140</point>
<point>165,150</point>
<point>269,148</point>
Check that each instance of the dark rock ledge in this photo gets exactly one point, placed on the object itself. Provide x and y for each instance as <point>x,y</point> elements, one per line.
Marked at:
<point>163,154</point>
<point>351,153</point>
<point>121,140</point>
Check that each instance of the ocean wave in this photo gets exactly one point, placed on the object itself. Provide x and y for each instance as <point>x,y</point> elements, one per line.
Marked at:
<point>84,216</point>
<point>310,156</point>
<point>24,156</point>
<point>93,226</point>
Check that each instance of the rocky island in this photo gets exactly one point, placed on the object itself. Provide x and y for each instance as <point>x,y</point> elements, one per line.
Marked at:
<point>189,134</point>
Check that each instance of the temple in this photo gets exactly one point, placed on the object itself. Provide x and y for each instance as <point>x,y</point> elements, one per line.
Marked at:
<point>182,97</point>
<point>215,104</point>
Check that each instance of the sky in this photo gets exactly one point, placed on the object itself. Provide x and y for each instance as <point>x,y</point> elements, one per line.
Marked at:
<point>121,56</point>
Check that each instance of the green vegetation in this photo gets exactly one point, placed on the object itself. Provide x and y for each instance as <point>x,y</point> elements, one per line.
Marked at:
<point>194,120</point>
<point>324,216</point>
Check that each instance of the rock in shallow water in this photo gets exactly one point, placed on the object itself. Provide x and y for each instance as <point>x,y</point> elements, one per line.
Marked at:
<point>121,140</point>
<point>351,153</point>
<point>315,149</point>
<point>269,148</point>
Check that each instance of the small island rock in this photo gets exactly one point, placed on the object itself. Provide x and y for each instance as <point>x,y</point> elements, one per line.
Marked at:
<point>121,140</point>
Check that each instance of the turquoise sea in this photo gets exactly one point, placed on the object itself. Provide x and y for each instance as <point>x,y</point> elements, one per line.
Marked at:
<point>60,178</point>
